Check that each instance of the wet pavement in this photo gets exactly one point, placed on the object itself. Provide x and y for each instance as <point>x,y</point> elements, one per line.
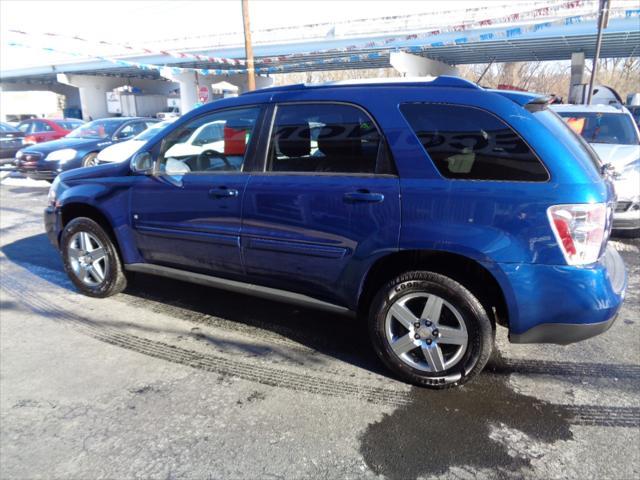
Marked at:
<point>173,380</point>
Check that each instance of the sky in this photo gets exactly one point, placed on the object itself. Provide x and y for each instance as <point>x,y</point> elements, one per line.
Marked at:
<point>167,24</point>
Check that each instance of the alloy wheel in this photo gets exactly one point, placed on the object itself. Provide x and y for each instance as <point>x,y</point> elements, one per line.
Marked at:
<point>426,332</point>
<point>88,258</point>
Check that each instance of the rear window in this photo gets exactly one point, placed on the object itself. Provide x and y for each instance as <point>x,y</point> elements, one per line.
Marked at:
<point>578,147</point>
<point>472,144</point>
<point>599,127</point>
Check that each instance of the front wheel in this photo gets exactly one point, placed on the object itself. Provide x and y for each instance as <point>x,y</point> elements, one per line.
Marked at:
<point>90,160</point>
<point>430,330</point>
<point>91,259</point>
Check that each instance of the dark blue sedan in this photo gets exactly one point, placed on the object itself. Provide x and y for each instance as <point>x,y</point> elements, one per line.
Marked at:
<point>80,148</point>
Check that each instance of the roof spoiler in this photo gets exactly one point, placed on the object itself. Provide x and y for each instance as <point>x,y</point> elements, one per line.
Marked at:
<point>539,103</point>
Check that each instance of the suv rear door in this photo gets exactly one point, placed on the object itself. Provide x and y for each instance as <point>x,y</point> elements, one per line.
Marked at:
<point>324,203</point>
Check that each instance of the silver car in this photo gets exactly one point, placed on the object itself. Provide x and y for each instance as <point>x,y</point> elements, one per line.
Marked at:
<point>614,135</point>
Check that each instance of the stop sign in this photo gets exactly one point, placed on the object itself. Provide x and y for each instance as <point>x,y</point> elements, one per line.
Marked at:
<point>203,94</point>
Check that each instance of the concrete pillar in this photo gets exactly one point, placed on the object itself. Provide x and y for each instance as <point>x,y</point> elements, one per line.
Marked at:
<point>416,66</point>
<point>93,90</point>
<point>190,82</point>
<point>188,88</point>
<point>578,84</point>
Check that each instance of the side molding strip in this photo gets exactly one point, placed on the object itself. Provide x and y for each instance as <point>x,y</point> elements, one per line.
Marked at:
<point>240,287</point>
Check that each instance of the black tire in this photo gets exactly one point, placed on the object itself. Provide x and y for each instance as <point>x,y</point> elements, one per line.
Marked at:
<point>480,332</point>
<point>632,233</point>
<point>114,280</point>
<point>89,159</point>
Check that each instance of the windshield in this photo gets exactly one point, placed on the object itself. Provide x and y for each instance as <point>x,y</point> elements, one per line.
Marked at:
<point>565,135</point>
<point>96,129</point>
<point>598,127</point>
<point>151,131</point>
<point>6,128</point>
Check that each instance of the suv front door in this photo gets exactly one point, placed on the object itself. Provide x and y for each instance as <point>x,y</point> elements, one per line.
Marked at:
<point>325,204</point>
<point>187,215</point>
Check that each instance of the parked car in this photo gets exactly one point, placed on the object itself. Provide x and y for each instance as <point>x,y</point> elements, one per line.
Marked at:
<point>120,152</point>
<point>435,210</point>
<point>11,140</point>
<point>169,112</point>
<point>635,111</point>
<point>39,130</point>
<point>613,134</point>
<point>80,148</point>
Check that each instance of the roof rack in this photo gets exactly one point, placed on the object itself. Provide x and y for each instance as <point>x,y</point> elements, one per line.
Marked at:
<point>441,81</point>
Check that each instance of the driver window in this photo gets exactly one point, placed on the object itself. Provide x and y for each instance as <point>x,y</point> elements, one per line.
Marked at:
<point>216,142</point>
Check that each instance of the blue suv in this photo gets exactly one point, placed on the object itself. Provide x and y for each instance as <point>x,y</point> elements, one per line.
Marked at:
<point>434,210</point>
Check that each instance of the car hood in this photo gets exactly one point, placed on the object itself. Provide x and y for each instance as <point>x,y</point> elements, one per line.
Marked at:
<point>617,155</point>
<point>48,147</point>
<point>116,169</point>
<point>120,152</point>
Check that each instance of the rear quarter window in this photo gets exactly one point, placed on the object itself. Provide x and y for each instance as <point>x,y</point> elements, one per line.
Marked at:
<point>472,144</point>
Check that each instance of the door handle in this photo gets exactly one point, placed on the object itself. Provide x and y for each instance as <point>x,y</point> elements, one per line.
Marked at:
<point>223,192</point>
<point>363,195</point>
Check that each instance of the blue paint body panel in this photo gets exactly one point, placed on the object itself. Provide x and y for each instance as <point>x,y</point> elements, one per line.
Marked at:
<point>299,232</point>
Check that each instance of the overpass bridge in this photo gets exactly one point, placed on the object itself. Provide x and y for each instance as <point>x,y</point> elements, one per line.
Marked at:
<point>414,45</point>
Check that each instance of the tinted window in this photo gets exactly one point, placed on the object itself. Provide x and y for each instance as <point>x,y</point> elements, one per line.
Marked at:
<point>323,138</point>
<point>25,127</point>
<point>569,138</point>
<point>598,127</point>
<point>68,125</point>
<point>132,129</point>
<point>97,129</point>
<point>4,128</point>
<point>469,143</point>
<point>216,142</point>
<point>40,127</point>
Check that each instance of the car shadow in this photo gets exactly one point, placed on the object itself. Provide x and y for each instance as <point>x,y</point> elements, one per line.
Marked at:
<point>338,336</point>
<point>341,337</point>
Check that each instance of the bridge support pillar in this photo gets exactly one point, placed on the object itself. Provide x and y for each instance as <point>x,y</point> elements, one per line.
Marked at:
<point>578,84</point>
<point>189,83</point>
<point>416,66</point>
<point>93,90</point>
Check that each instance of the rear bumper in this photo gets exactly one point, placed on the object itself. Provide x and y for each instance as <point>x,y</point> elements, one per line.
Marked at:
<point>563,304</point>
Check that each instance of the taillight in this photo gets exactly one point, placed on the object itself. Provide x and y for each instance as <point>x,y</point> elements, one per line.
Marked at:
<point>580,230</point>
<point>28,140</point>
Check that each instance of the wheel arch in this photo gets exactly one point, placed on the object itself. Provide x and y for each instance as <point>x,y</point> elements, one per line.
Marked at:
<point>72,210</point>
<point>465,270</point>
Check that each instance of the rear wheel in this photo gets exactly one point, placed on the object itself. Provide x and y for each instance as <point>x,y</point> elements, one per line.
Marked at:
<point>430,330</point>
<point>91,259</point>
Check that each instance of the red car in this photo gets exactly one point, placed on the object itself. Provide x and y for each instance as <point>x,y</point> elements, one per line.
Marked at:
<point>37,130</point>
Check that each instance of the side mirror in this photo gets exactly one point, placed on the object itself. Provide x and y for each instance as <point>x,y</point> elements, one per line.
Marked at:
<point>142,162</point>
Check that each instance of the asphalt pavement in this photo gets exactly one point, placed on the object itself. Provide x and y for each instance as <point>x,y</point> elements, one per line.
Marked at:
<point>171,380</point>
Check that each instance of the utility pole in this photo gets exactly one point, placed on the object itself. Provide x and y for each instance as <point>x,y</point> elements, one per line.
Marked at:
<point>603,17</point>
<point>248,48</point>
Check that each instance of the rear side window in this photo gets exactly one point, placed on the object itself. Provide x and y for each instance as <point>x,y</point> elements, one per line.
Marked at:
<point>472,144</point>
<point>328,138</point>
<point>67,125</point>
<point>40,127</point>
